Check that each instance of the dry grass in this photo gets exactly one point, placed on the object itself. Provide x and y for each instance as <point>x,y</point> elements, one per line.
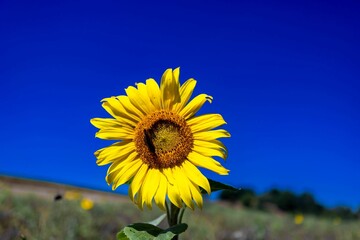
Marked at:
<point>26,216</point>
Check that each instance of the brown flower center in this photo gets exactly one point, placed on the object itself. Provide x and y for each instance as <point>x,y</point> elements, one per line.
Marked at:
<point>163,139</point>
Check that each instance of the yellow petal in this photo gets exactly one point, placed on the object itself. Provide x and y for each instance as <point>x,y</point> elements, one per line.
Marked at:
<point>210,152</point>
<point>117,166</point>
<point>143,91</point>
<point>182,182</point>
<point>129,107</point>
<point>196,194</point>
<point>169,176</point>
<point>211,135</point>
<point>211,144</point>
<point>174,195</point>
<point>138,100</point>
<point>115,134</point>
<point>186,91</point>
<point>126,173</point>
<point>196,176</point>
<point>137,181</point>
<point>176,74</point>
<point>205,122</point>
<point>169,88</point>
<point>215,144</point>
<point>207,162</point>
<point>113,158</point>
<point>154,92</point>
<point>140,199</point>
<point>150,186</point>
<point>160,195</point>
<point>107,123</point>
<point>194,105</point>
<point>113,106</point>
<point>116,152</point>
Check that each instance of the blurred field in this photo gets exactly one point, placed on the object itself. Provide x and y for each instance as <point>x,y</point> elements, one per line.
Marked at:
<point>84,214</point>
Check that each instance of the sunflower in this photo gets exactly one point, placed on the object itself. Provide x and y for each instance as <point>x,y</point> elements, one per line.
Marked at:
<point>161,142</point>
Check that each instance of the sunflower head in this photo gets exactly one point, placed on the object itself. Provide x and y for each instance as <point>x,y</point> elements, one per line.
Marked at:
<point>161,143</point>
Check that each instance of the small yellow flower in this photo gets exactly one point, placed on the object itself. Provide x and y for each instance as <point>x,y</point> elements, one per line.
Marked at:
<point>298,219</point>
<point>87,204</point>
<point>72,195</point>
<point>161,142</point>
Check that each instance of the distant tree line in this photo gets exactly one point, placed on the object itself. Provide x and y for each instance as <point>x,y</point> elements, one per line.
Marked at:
<point>287,201</point>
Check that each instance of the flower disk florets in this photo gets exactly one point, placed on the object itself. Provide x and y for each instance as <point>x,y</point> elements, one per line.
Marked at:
<point>163,139</point>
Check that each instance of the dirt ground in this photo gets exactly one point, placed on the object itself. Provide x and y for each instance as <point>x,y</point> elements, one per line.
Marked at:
<point>52,190</point>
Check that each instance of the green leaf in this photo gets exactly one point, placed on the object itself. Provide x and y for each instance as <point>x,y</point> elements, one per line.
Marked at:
<point>145,231</point>
<point>121,235</point>
<point>158,220</point>
<point>216,186</point>
<point>139,231</point>
<point>173,231</point>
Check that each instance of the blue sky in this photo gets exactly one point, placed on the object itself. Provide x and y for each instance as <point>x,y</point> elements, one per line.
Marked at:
<point>285,76</point>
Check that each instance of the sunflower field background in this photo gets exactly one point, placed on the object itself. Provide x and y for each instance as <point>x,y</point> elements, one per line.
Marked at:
<point>30,216</point>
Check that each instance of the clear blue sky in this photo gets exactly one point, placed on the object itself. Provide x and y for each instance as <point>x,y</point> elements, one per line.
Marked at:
<point>285,76</point>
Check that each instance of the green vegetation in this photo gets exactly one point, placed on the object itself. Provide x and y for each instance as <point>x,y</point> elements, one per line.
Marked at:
<point>31,217</point>
<point>287,201</point>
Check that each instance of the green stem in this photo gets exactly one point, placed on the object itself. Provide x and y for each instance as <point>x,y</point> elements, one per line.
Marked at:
<point>181,214</point>
<point>167,213</point>
<point>174,213</point>
<point>173,216</point>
